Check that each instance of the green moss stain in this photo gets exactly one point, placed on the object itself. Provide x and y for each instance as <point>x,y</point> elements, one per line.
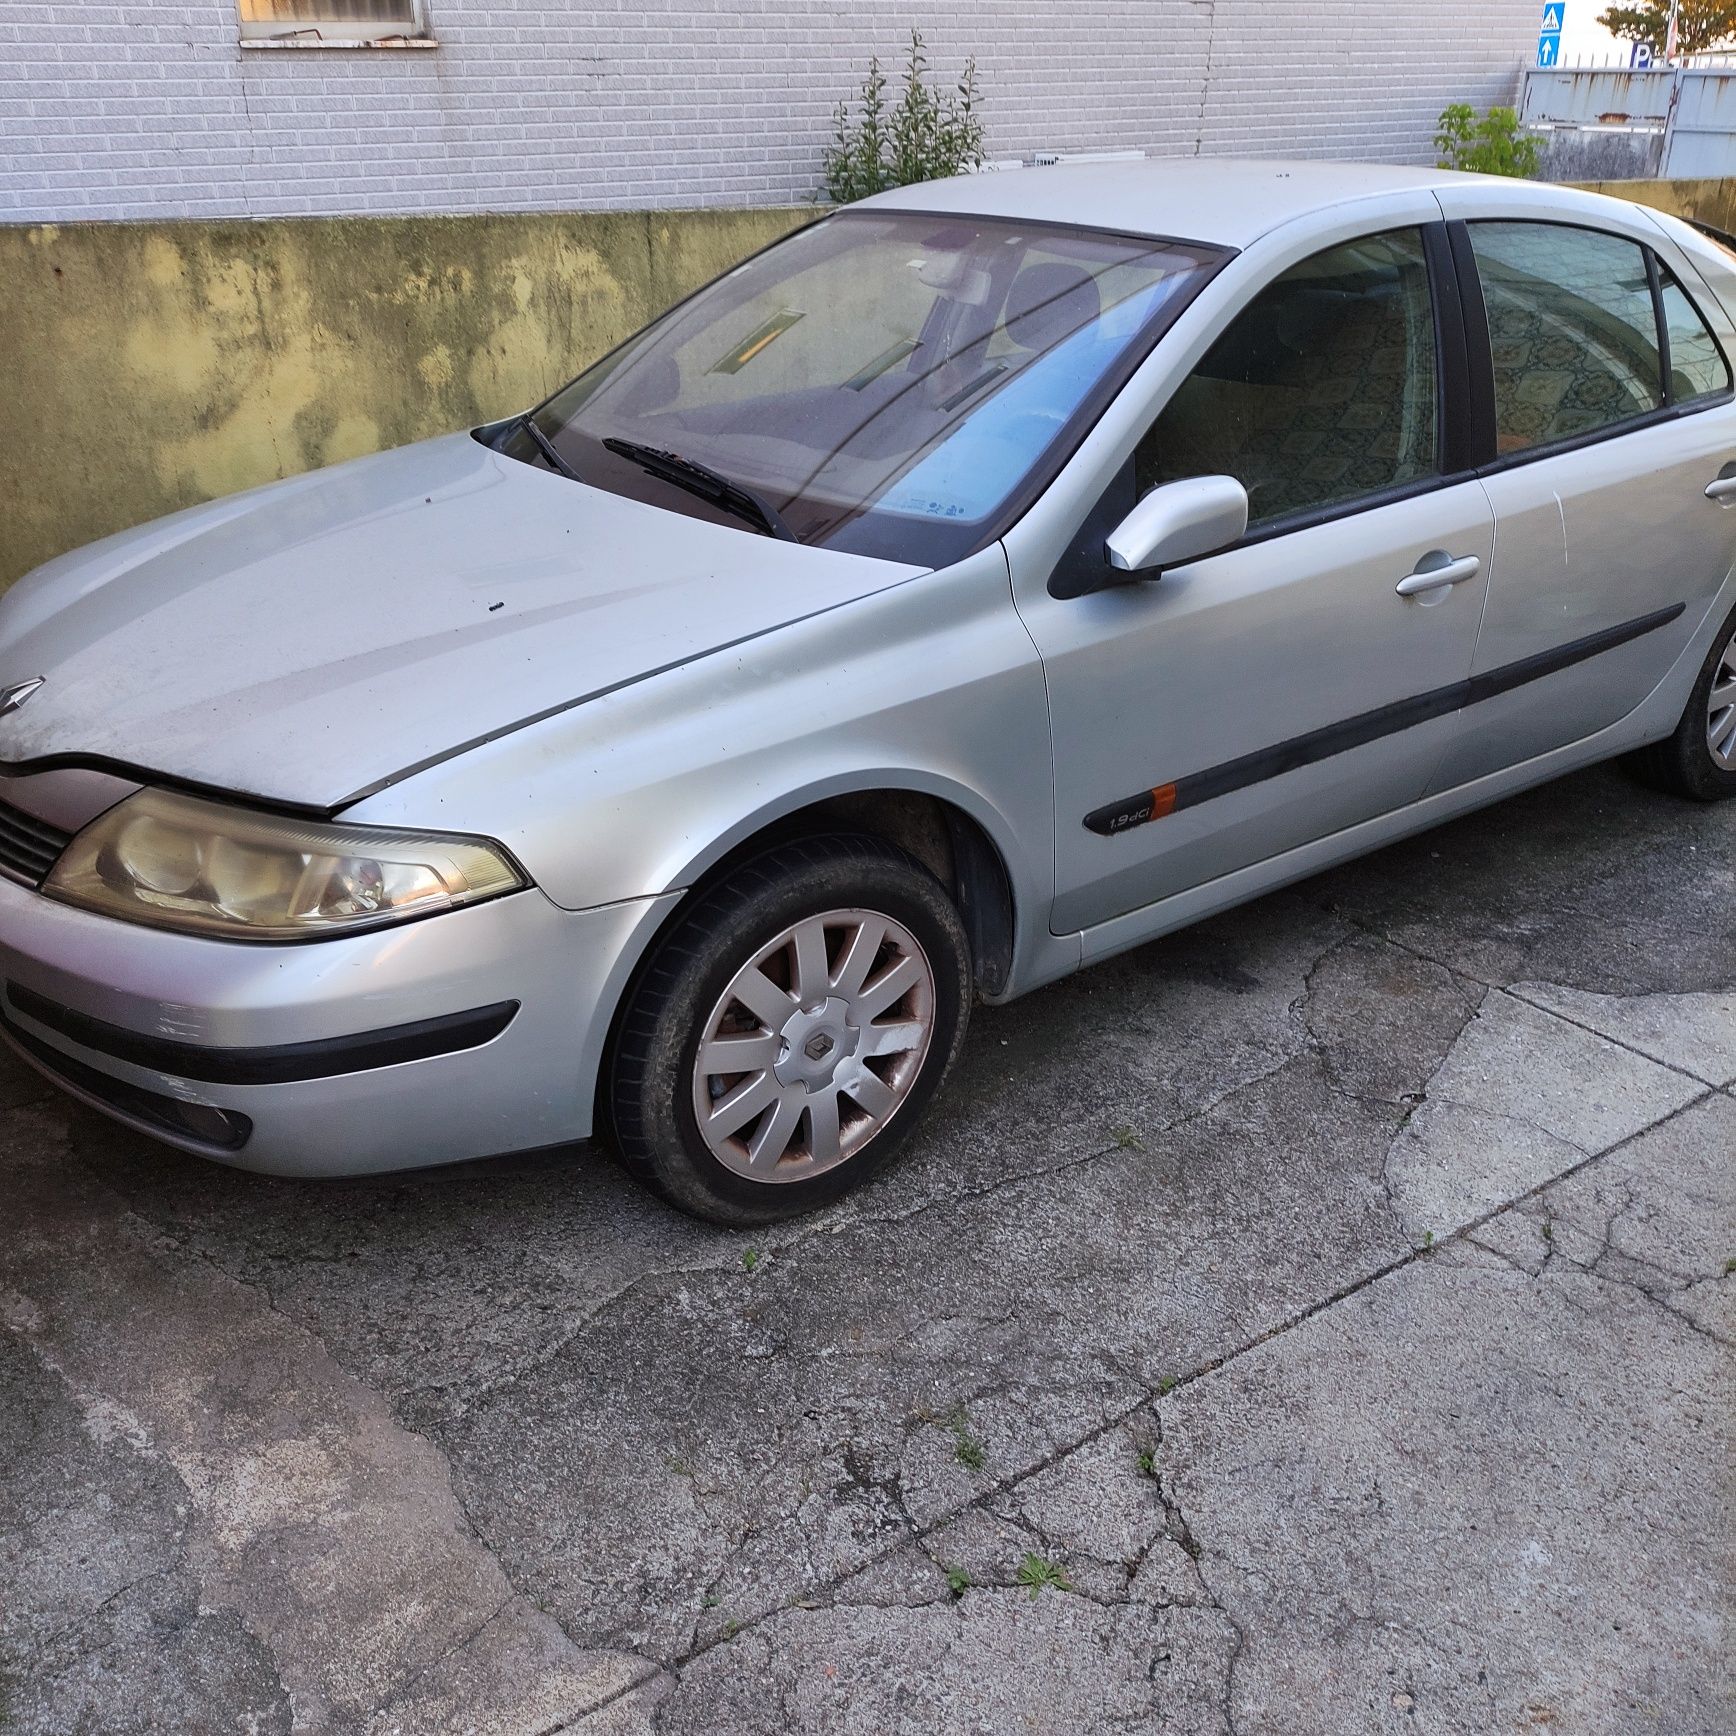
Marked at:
<point>149,366</point>
<point>155,365</point>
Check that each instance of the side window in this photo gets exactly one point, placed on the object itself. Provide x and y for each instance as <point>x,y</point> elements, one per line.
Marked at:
<point>1321,391</point>
<point>1697,365</point>
<point>1572,330</point>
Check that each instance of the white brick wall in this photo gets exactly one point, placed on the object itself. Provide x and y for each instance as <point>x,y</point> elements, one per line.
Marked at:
<point>149,109</point>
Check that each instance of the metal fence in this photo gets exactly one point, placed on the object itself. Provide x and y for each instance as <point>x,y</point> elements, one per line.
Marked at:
<point>1604,122</point>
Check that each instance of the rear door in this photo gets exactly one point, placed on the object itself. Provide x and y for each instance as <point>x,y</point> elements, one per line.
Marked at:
<point>1607,408</point>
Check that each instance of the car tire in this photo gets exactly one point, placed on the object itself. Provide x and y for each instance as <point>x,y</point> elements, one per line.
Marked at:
<point>1686,763</point>
<point>859,972</point>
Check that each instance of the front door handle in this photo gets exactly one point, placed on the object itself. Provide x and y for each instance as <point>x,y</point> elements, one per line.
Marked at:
<point>1723,485</point>
<point>1438,568</point>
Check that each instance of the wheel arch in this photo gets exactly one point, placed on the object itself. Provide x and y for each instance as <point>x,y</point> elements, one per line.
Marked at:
<point>946,837</point>
<point>961,839</point>
<point>951,843</point>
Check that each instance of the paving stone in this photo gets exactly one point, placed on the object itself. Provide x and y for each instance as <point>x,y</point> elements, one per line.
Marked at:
<point>1658,1214</point>
<point>1696,1033</point>
<point>316,1525</point>
<point>1384,1019</point>
<point>1485,1500</point>
<point>1592,881</point>
<point>992,1663</point>
<point>101,1628</point>
<point>1522,1096</point>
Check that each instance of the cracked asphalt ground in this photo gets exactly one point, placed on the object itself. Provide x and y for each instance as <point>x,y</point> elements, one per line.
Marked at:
<point>1319,1321</point>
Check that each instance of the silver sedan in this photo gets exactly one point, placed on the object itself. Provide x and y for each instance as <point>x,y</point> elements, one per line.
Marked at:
<point>990,577</point>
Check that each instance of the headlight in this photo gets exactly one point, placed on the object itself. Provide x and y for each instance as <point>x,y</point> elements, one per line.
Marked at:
<point>178,862</point>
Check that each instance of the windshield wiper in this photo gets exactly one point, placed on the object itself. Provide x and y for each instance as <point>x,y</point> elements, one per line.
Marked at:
<point>547,447</point>
<point>710,484</point>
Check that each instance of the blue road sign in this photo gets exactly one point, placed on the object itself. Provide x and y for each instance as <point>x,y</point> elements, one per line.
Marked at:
<point>1549,33</point>
<point>1641,58</point>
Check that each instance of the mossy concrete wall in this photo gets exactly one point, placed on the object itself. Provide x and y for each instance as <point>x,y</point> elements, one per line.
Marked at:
<point>147,366</point>
<point>1711,201</point>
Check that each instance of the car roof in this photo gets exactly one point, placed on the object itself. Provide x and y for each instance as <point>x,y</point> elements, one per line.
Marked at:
<point>1222,200</point>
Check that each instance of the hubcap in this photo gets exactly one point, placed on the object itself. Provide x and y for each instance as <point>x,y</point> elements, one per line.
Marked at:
<point>1721,711</point>
<point>814,1046</point>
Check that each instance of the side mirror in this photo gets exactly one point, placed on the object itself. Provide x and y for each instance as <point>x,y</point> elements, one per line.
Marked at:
<point>1179,521</point>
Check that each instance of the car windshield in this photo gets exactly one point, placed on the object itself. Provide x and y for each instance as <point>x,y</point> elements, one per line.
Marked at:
<point>889,383</point>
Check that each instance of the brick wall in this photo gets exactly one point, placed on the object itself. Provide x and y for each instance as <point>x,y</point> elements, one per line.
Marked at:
<point>149,108</point>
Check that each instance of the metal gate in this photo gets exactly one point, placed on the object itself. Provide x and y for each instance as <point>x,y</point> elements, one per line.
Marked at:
<point>1677,122</point>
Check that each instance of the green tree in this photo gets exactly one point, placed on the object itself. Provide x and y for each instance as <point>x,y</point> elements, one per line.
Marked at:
<point>1494,145</point>
<point>1703,24</point>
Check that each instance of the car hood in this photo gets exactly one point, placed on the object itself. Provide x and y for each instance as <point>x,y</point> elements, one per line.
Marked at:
<point>311,641</point>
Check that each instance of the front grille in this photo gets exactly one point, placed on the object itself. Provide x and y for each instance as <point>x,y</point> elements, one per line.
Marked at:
<point>29,847</point>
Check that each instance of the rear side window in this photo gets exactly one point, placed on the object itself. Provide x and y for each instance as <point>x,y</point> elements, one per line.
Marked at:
<point>1572,330</point>
<point>1697,365</point>
<point>1322,390</point>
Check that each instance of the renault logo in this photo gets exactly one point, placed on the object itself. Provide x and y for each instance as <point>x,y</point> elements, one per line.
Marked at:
<point>14,696</point>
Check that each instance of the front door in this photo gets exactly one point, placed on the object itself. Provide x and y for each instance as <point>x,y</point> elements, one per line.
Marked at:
<point>1286,688</point>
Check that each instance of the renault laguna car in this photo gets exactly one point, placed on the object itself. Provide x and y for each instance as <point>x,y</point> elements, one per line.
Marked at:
<point>988,578</point>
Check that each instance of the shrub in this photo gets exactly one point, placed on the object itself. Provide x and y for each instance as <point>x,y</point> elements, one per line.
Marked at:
<point>928,133</point>
<point>1494,145</point>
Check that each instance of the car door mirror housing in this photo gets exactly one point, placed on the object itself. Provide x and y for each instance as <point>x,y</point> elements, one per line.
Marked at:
<point>1177,522</point>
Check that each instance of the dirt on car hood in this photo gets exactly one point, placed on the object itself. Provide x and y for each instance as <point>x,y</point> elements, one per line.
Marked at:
<point>312,640</point>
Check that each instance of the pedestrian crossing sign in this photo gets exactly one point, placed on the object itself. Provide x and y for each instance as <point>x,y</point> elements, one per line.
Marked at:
<point>1549,33</point>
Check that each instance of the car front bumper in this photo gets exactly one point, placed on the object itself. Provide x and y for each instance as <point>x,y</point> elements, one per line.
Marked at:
<point>460,1035</point>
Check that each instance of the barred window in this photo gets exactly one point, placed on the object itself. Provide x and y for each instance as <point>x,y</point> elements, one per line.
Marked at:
<point>313,22</point>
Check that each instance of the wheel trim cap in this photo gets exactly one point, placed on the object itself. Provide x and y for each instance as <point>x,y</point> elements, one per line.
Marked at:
<point>814,1045</point>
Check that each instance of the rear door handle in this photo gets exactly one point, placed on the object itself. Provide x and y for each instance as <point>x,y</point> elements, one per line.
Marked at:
<point>1721,487</point>
<point>1439,568</point>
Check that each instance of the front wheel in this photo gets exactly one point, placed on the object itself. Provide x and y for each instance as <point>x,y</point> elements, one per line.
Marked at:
<point>790,1030</point>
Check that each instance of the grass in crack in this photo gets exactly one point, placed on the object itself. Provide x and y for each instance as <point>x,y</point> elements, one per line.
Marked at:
<point>1038,1573</point>
<point>750,1261</point>
<point>967,1447</point>
<point>1148,1462</point>
<point>958,1582</point>
<point>1126,1139</point>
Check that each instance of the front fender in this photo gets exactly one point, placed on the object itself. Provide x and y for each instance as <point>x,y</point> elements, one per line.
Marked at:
<point>931,686</point>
